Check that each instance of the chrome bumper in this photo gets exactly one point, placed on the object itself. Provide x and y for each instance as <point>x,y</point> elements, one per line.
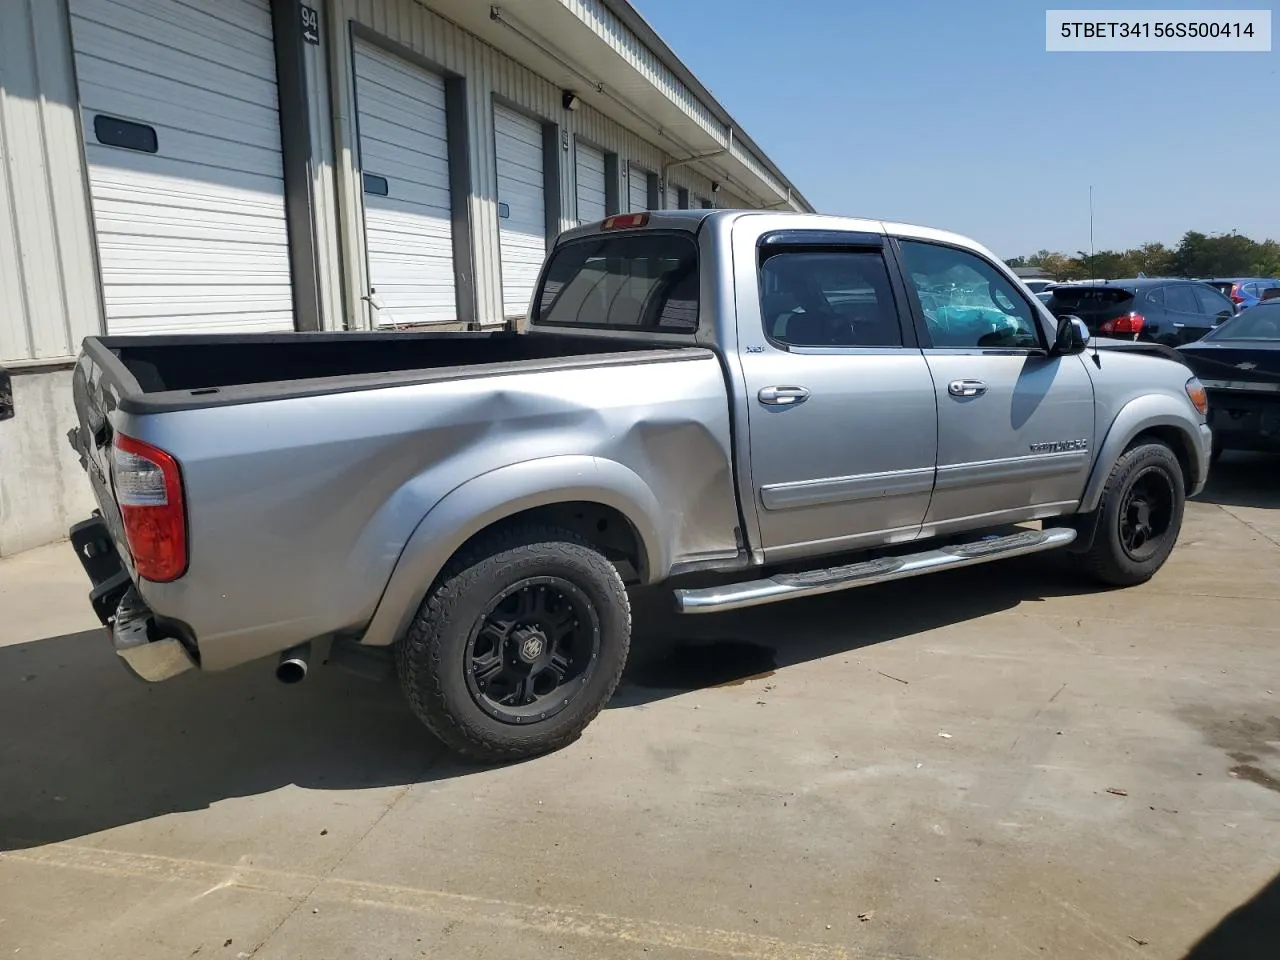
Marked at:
<point>150,652</point>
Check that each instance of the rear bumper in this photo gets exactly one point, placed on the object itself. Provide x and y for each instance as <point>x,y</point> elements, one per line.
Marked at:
<point>150,649</point>
<point>1243,421</point>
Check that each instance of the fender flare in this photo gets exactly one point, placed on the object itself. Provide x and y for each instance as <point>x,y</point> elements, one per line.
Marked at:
<point>505,492</point>
<point>1136,416</point>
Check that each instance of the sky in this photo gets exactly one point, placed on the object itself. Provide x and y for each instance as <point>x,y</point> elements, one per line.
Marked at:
<point>950,113</point>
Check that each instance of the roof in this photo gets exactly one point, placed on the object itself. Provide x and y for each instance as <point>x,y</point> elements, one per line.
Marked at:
<point>633,19</point>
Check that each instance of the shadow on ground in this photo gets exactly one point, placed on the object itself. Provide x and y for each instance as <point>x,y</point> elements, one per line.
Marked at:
<point>1243,480</point>
<point>1250,932</point>
<point>85,747</point>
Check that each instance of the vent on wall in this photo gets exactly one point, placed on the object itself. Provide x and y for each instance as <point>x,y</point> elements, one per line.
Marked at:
<point>376,185</point>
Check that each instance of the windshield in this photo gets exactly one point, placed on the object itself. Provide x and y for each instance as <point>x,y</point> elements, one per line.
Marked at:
<point>646,281</point>
<point>1257,323</point>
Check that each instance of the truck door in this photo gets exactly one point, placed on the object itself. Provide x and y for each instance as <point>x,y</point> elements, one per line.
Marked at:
<point>1015,425</point>
<point>843,421</point>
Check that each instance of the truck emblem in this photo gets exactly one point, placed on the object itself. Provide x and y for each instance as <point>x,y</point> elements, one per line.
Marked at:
<point>1247,365</point>
<point>755,348</point>
<point>1059,446</point>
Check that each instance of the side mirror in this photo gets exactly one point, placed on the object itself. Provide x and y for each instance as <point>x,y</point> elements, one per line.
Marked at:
<point>6,395</point>
<point>1072,337</point>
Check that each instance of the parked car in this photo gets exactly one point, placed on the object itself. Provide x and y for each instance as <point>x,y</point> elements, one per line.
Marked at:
<point>1038,286</point>
<point>746,406</point>
<point>1244,291</point>
<point>1165,311</point>
<point>6,395</point>
<point>1239,364</point>
<point>1044,296</point>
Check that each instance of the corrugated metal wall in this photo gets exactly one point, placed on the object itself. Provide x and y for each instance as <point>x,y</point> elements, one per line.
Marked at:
<point>488,72</point>
<point>49,297</point>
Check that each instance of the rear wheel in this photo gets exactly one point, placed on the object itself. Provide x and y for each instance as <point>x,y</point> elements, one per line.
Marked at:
<point>519,644</point>
<point>1140,516</point>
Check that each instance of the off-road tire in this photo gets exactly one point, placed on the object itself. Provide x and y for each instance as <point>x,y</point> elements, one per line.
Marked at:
<point>432,659</point>
<point>1106,559</point>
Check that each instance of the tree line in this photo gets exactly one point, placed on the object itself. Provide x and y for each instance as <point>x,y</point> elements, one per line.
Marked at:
<point>1196,255</point>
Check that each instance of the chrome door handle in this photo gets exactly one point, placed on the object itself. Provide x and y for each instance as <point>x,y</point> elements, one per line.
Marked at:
<point>783,396</point>
<point>966,388</point>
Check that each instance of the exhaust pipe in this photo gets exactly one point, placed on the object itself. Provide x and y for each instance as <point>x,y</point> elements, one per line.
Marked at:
<point>292,667</point>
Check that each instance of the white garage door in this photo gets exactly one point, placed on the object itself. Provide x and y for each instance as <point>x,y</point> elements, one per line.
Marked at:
<point>522,211</point>
<point>589,166</point>
<point>638,189</point>
<point>182,142</point>
<point>404,159</point>
<point>673,197</point>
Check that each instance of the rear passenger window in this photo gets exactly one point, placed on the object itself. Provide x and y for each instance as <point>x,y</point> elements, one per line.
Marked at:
<point>816,298</point>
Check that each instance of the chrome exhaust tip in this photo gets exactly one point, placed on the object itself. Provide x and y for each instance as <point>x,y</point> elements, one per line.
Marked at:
<point>292,667</point>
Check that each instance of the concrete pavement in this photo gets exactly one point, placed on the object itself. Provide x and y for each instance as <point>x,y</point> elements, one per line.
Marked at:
<point>998,762</point>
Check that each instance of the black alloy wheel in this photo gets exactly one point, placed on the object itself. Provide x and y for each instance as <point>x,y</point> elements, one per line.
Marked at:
<point>533,649</point>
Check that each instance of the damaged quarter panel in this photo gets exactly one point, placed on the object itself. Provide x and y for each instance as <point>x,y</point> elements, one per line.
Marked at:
<point>330,511</point>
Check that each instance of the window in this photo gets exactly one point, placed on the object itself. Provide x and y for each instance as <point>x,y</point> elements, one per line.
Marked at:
<point>1212,302</point>
<point>375,185</point>
<point>641,282</point>
<point>1261,322</point>
<point>967,302</point>
<point>115,132</point>
<point>812,298</point>
<point>1156,296</point>
<point>1180,299</point>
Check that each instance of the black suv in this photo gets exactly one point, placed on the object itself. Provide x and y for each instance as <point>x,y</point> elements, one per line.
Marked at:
<point>1162,311</point>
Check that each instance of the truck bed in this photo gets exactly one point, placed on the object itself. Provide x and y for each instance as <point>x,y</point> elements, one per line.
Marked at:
<point>152,374</point>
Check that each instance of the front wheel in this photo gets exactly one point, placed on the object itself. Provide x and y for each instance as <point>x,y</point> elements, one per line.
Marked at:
<point>518,646</point>
<point>1140,516</point>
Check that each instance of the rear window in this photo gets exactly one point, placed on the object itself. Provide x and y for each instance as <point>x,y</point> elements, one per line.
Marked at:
<point>1224,286</point>
<point>644,281</point>
<point>1261,322</point>
<point>1083,300</point>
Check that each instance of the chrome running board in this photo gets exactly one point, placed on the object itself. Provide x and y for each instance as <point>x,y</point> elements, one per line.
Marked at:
<point>787,586</point>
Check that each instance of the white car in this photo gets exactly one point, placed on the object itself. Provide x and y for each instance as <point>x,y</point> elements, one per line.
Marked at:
<point>1039,286</point>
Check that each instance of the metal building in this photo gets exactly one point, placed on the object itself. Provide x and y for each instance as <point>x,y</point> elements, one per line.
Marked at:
<point>179,166</point>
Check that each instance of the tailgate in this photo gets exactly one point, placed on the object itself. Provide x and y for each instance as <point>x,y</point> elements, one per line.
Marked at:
<point>95,397</point>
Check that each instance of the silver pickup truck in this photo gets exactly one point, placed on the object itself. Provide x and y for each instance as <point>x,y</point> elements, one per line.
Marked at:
<point>746,406</point>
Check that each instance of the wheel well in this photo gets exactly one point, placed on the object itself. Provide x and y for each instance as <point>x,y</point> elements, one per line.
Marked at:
<point>1175,440</point>
<point>605,528</point>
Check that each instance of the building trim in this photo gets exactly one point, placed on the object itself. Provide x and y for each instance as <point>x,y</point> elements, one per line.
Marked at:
<point>295,151</point>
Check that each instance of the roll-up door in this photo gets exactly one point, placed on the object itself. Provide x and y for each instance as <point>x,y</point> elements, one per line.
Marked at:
<point>589,167</point>
<point>522,210</point>
<point>182,143</point>
<point>404,160</point>
<point>673,197</point>
<point>638,189</point>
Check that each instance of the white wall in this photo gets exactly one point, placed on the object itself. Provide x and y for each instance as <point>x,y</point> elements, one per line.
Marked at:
<point>43,491</point>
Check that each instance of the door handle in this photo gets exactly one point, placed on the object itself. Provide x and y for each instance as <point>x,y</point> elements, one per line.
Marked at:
<point>966,388</point>
<point>783,396</point>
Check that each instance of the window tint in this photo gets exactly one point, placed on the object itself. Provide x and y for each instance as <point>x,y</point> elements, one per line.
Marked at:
<point>966,301</point>
<point>1211,301</point>
<point>115,132</point>
<point>1156,296</point>
<point>811,298</point>
<point>1180,299</point>
<point>1261,322</point>
<point>642,281</point>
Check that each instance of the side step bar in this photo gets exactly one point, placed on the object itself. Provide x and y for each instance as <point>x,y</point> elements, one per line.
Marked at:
<point>787,586</point>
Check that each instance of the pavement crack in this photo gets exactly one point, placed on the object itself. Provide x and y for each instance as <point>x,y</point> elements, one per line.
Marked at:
<point>1235,516</point>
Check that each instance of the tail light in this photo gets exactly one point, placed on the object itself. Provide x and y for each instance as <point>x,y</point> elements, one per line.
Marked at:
<point>1131,323</point>
<point>148,489</point>
<point>625,221</point>
<point>1236,298</point>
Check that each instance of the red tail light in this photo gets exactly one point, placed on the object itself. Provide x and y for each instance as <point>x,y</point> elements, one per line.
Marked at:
<point>1131,323</point>
<point>1235,294</point>
<point>148,488</point>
